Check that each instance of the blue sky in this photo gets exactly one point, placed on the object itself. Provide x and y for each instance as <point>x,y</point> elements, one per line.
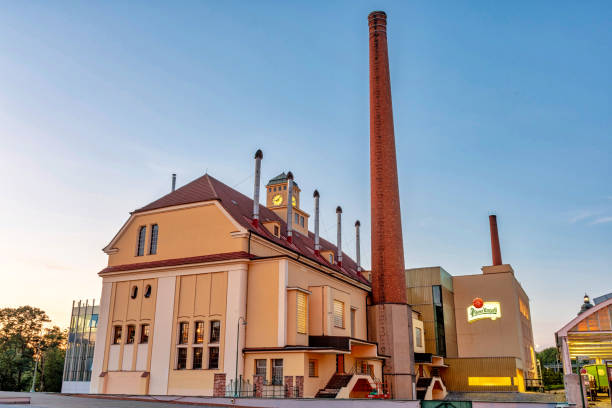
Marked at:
<point>499,108</point>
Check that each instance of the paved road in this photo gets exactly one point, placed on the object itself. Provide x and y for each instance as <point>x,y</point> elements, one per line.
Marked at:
<point>42,400</point>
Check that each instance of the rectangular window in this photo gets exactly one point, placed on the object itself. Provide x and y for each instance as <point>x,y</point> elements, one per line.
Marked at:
<point>183,333</point>
<point>313,368</point>
<point>141,241</point>
<point>197,357</point>
<point>301,221</point>
<point>353,321</point>
<point>131,334</point>
<point>144,333</point>
<point>213,357</point>
<point>181,360</point>
<point>260,367</point>
<point>276,230</point>
<point>301,312</point>
<point>153,245</point>
<point>297,219</point>
<point>277,371</point>
<point>419,337</point>
<point>199,333</point>
<point>117,335</point>
<point>215,331</point>
<point>339,314</point>
<point>439,330</point>
<point>331,258</point>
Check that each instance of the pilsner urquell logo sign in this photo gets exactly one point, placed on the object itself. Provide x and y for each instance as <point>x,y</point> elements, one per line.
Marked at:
<point>483,310</point>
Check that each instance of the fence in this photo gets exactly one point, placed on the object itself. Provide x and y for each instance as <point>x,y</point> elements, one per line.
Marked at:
<point>267,389</point>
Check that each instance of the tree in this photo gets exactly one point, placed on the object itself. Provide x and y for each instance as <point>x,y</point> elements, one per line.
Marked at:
<point>548,356</point>
<point>53,369</point>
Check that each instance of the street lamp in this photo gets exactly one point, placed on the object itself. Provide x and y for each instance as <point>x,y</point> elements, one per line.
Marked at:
<point>237,344</point>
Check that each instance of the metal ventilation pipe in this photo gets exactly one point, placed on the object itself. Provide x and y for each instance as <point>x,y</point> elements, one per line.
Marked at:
<point>339,214</point>
<point>173,181</point>
<point>258,157</point>
<point>290,207</point>
<point>358,244</point>
<point>317,246</point>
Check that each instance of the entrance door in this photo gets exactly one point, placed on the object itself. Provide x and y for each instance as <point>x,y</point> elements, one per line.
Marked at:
<point>340,363</point>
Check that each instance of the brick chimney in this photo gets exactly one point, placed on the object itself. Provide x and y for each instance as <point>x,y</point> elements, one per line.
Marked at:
<point>389,317</point>
<point>495,250</point>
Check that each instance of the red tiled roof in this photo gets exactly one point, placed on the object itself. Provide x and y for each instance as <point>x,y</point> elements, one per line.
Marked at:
<point>227,256</point>
<point>240,207</point>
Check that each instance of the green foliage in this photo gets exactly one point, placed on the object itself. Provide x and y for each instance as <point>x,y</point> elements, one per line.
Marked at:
<point>548,356</point>
<point>22,342</point>
<point>53,370</point>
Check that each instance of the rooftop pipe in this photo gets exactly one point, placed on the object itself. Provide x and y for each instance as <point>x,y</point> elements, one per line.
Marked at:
<point>317,247</point>
<point>258,157</point>
<point>495,250</point>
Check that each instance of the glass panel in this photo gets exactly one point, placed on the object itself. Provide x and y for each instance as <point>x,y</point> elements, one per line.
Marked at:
<point>144,333</point>
<point>199,333</point>
<point>131,334</point>
<point>213,357</point>
<point>260,367</point>
<point>277,371</point>
<point>153,246</point>
<point>215,331</point>
<point>141,241</point>
<point>197,357</point>
<point>181,361</point>
<point>117,335</point>
<point>184,333</point>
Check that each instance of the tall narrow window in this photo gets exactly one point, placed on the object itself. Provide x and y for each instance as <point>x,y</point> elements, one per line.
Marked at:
<point>301,312</point>
<point>144,333</point>
<point>181,359</point>
<point>131,334</point>
<point>260,367</point>
<point>213,357</point>
<point>197,357</point>
<point>339,314</point>
<point>419,337</point>
<point>353,321</point>
<point>183,333</point>
<point>215,331</point>
<point>313,368</point>
<point>153,245</point>
<point>277,371</point>
<point>141,241</point>
<point>199,333</point>
<point>117,335</point>
<point>439,329</point>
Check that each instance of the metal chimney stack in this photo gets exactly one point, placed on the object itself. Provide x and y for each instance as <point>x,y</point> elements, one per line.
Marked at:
<point>495,249</point>
<point>317,247</point>
<point>173,181</point>
<point>290,207</point>
<point>339,214</point>
<point>358,244</point>
<point>258,157</point>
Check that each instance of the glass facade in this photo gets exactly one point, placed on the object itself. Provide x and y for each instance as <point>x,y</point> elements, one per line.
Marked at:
<point>81,341</point>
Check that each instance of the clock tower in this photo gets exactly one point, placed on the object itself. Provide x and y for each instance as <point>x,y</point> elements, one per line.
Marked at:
<point>276,200</point>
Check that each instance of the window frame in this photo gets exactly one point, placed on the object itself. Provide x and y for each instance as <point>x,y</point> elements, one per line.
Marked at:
<point>144,326</point>
<point>183,337</point>
<point>315,368</point>
<point>141,240</point>
<point>342,316</point>
<point>275,378</point>
<point>199,348</point>
<point>117,340</point>
<point>153,239</point>
<point>301,323</point>
<point>199,324</point>
<point>180,350</point>
<point>218,357</point>
<point>130,337</point>
<point>212,331</point>
<point>265,367</point>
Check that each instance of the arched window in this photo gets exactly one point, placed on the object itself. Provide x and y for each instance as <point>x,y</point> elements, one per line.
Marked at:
<point>142,232</point>
<point>147,291</point>
<point>134,292</point>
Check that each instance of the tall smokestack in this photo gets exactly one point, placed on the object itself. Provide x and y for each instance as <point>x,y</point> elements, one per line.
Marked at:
<point>390,321</point>
<point>258,157</point>
<point>317,247</point>
<point>290,207</point>
<point>339,215</point>
<point>358,245</point>
<point>495,250</point>
<point>173,181</point>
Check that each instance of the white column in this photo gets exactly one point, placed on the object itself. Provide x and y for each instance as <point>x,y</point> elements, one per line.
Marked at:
<point>565,356</point>
<point>101,331</point>
<point>283,277</point>
<point>162,336</point>
<point>235,308</point>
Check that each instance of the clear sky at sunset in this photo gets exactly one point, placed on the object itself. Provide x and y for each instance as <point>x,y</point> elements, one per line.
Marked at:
<point>499,107</point>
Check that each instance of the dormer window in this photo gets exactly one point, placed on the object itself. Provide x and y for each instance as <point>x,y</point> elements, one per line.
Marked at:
<point>141,241</point>
<point>276,230</point>
<point>331,258</point>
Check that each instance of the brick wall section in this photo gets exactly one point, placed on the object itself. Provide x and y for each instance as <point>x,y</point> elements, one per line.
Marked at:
<point>219,385</point>
<point>388,279</point>
<point>288,386</point>
<point>258,382</point>
<point>299,384</point>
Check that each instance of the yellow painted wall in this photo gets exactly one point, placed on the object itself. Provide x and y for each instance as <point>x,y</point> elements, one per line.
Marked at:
<point>182,233</point>
<point>262,304</point>
<point>199,297</point>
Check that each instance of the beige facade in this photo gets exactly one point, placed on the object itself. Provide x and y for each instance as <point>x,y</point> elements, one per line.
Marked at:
<point>182,300</point>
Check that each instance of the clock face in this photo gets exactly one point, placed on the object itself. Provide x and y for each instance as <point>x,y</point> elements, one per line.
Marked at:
<point>293,201</point>
<point>277,199</point>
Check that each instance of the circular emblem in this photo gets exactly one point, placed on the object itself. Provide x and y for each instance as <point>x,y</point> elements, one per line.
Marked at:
<point>477,303</point>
